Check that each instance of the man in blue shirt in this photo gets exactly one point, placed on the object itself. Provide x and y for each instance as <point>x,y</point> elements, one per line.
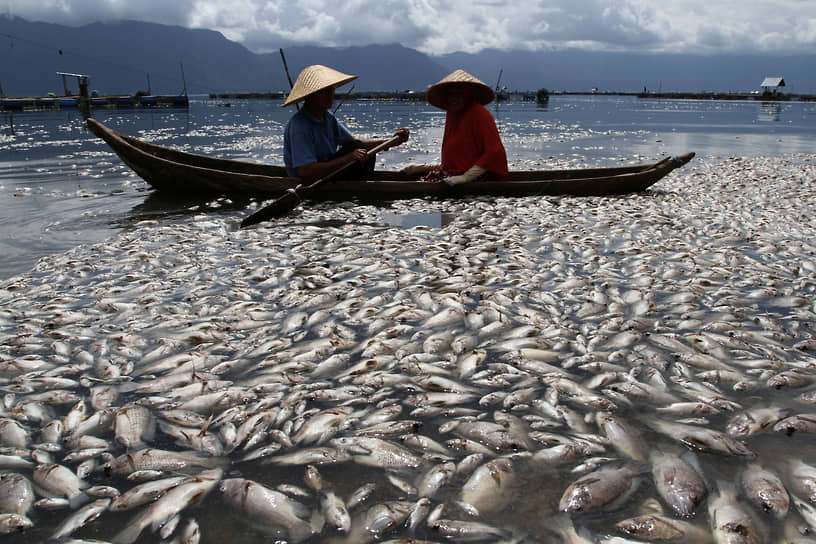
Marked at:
<point>315,143</point>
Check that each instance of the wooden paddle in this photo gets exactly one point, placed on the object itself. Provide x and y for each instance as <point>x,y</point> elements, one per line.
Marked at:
<point>292,197</point>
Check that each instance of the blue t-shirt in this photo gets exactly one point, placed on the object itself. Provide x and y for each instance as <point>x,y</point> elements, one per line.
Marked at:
<point>307,140</point>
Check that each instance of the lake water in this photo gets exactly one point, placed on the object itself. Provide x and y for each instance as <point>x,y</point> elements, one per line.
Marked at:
<point>60,186</point>
<point>526,342</point>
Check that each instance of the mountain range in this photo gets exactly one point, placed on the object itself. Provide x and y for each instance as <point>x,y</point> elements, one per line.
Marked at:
<point>128,56</point>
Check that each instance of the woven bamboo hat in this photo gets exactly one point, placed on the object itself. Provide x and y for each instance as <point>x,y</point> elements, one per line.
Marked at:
<point>313,79</point>
<point>437,92</point>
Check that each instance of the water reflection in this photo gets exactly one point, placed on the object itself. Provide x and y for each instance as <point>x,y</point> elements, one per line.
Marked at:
<point>770,111</point>
<point>417,219</point>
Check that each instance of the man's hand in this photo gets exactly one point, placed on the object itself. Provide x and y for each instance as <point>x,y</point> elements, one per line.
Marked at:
<point>403,134</point>
<point>360,155</point>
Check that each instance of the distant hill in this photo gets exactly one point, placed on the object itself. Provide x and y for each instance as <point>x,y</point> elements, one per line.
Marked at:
<point>120,57</point>
<point>125,57</point>
<point>630,72</point>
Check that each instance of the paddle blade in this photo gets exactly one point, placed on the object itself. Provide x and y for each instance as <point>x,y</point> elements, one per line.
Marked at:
<point>277,208</point>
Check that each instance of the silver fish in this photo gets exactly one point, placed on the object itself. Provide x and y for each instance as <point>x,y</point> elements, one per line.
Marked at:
<point>598,489</point>
<point>13,434</point>
<point>360,495</point>
<point>378,452</point>
<point>469,531</point>
<point>378,520</point>
<point>16,493</point>
<point>144,493</point>
<point>334,510</point>
<point>435,478</point>
<point>268,508</point>
<point>803,423</point>
<point>659,528</point>
<point>490,486</point>
<point>156,459</point>
<point>765,490</point>
<point>703,439</point>
<point>80,518</point>
<point>169,505</point>
<point>61,481</point>
<point>133,424</point>
<point>731,522</point>
<point>678,483</point>
<point>12,523</point>
<point>801,478</point>
<point>625,438</point>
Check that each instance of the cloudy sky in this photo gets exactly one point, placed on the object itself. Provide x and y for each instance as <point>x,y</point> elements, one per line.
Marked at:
<point>688,26</point>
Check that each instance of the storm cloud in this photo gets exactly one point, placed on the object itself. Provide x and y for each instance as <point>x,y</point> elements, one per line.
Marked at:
<point>682,26</point>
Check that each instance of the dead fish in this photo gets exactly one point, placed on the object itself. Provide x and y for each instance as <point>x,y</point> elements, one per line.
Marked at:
<point>80,518</point>
<point>169,505</point>
<point>730,521</point>
<point>703,439</point>
<point>490,486</point>
<point>624,437</point>
<point>378,520</point>
<point>659,528</point>
<point>144,493</point>
<point>801,477</point>
<point>469,531</point>
<point>133,424</point>
<point>12,523</point>
<point>755,420</point>
<point>13,434</point>
<point>377,452</point>
<point>156,459</point>
<point>803,423</point>
<point>316,456</point>
<point>334,510</point>
<point>678,483</point>
<point>434,479</point>
<point>791,379</point>
<point>493,435</point>
<point>602,488</point>
<point>360,495</point>
<point>16,494</point>
<point>765,490</point>
<point>61,481</point>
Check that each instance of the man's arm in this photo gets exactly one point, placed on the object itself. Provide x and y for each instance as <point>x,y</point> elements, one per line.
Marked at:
<point>403,133</point>
<point>317,170</point>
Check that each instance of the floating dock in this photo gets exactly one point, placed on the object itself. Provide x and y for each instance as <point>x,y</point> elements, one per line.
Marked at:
<point>85,100</point>
<point>45,103</point>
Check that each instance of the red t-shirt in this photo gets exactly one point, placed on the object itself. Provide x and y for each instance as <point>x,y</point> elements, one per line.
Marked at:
<point>471,137</point>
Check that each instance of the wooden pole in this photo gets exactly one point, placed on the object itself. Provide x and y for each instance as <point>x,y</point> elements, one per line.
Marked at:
<point>183,80</point>
<point>345,97</point>
<point>84,99</point>
<point>286,68</point>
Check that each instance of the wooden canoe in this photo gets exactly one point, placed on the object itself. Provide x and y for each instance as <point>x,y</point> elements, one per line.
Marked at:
<point>170,170</point>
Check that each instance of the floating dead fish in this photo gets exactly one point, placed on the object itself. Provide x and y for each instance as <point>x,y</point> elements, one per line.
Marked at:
<point>603,488</point>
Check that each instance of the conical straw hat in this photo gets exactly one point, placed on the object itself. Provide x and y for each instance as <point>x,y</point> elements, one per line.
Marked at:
<point>313,79</point>
<point>481,92</point>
